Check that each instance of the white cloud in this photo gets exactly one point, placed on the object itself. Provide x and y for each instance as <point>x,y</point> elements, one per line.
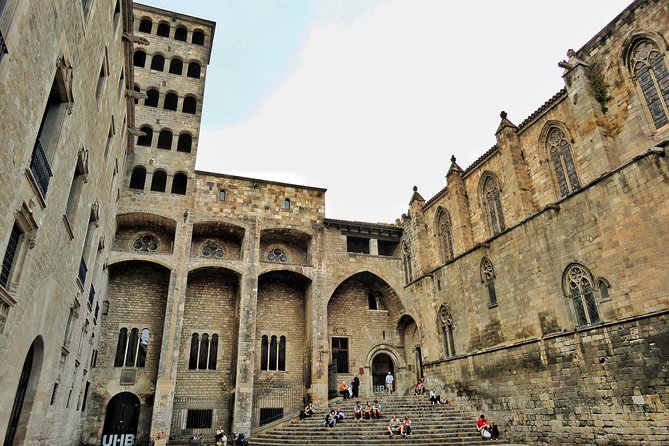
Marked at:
<point>380,103</point>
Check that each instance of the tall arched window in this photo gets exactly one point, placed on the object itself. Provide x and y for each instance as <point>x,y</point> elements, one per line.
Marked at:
<point>163,30</point>
<point>180,34</point>
<point>446,325</point>
<point>159,181</point>
<point>194,351</point>
<point>578,286</point>
<point>158,62</point>
<point>176,66</point>
<point>445,235</point>
<point>171,101</point>
<point>647,65</point>
<point>190,105</point>
<point>138,178</point>
<point>194,70</point>
<point>559,151</point>
<point>152,96</point>
<point>213,352</point>
<point>488,278</point>
<point>131,350</point>
<point>147,138</point>
<point>493,204</point>
<point>273,353</point>
<point>264,350</point>
<point>203,352</point>
<point>139,59</point>
<point>406,261</point>
<point>120,347</point>
<point>179,184</point>
<point>198,38</point>
<point>143,347</point>
<point>165,139</point>
<point>145,26</point>
<point>184,143</point>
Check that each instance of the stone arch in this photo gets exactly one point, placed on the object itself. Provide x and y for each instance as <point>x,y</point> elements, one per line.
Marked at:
<point>228,235</point>
<point>633,38</point>
<point>129,226</point>
<point>490,198</point>
<point>378,284</point>
<point>410,336</point>
<point>24,397</point>
<point>123,258</point>
<point>285,246</point>
<point>121,419</point>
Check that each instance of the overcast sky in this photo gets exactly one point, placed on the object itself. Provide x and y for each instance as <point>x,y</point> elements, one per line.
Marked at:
<point>368,98</point>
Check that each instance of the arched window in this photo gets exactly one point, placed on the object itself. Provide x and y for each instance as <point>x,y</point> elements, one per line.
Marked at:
<point>159,181</point>
<point>446,325</point>
<point>212,248</point>
<point>171,101</point>
<point>177,66</point>
<point>190,105</point>
<point>163,30</point>
<point>145,243</point>
<point>180,34</point>
<point>277,255</point>
<point>286,203</point>
<point>198,38</point>
<point>578,286</point>
<point>488,278</point>
<point>120,347</point>
<point>143,347</point>
<point>147,138</point>
<point>493,204</point>
<point>445,234</point>
<point>158,62</point>
<point>194,350</point>
<point>559,151</point>
<point>152,96</point>
<point>203,352</point>
<point>194,70</point>
<point>131,350</point>
<point>145,26</point>
<point>179,184</point>
<point>139,59</point>
<point>138,178</point>
<point>273,353</point>
<point>165,140</point>
<point>406,262</point>
<point>137,89</point>
<point>648,66</point>
<point>221,195</point>
<point>184,143</point>
<point>603,286</point>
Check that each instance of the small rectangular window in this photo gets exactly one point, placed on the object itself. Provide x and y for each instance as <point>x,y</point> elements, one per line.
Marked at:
<point>199,418</point>
<point>221,195</point>
<point>340,354</point>
<point>83,401</point>
<point>371,302</point>
<point>357,245</point>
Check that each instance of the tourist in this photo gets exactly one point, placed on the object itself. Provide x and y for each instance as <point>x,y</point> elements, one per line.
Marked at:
<point>368,411</point>
<point>389,382</point>
<point>307,411</point>
<point>394,425</point>
<point>330,419</point>
<point>354,386</point>
<point>343,389</point>
<point>357,411</point>
<point>339,414</point>
<point>221,439</point>
<point>494,431</point>
<point>376,409</point>
<point>485,433</point>
<point>435,398</point>
<point>420,387</point>
<point>481,423</point>
<point>405,426</point>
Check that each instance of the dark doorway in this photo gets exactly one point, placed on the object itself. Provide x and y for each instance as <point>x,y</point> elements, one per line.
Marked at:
<point>381,365</point>
<point>25,394</point>
<point>121,420</point>
<point>419,363</point>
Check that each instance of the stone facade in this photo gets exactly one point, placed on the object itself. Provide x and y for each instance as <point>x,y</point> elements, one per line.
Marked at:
<point>530,287</point>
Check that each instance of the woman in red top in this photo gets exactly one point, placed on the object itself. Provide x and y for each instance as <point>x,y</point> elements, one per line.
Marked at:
<point>481,423</point>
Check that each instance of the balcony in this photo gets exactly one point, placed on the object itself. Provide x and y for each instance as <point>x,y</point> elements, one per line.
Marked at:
<point>39,166</point>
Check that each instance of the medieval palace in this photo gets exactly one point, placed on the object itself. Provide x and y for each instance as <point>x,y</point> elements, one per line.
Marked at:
<point>142,300</point>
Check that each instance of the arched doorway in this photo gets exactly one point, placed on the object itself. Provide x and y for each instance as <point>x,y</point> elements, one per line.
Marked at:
<point>381,365</point>
<point>121,420</point>
<point>25,394</point>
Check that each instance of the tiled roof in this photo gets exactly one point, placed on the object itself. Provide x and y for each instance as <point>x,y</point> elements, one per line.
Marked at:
<point>556,97</point>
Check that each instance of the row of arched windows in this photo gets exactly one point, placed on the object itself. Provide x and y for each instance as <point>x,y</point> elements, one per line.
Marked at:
<point>132,347</point>
<point>171,101</point>
<point>578,285</point>
<point>273,353</point>
<point>165,139</point>
<point>203,351</point>
<point>163,30</point>
<point>158,181</point>
<point>176,65</point>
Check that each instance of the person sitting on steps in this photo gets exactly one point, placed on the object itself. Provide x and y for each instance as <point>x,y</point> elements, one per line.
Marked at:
<point>435,398</point>
<point>481,423</point>
<point>330,419</point>
<point>339,414</point>
<point>405,426</point>
<point>307,411</point>
<point>394,425</point>
<point>420,387</point>
<point>368,411</point>
<point>357,411</point>
<point>343,390</point>
<point>376,409</point>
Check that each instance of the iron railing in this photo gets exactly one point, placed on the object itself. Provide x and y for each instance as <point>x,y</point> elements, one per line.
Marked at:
<point>202,416</point>
<point>40,167</point>
<point>275,404</point>
<point>3,46</point>
<point>83,271</point>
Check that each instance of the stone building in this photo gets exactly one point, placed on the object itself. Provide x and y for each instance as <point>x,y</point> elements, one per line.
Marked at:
<point>530,287</point>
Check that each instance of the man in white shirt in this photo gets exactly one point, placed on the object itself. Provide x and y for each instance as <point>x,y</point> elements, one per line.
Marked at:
<point>389,382</point>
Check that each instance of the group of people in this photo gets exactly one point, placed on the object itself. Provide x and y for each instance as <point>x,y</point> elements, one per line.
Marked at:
<point>351,391</point>
<point>435,397</point>
<point>368,412</point>
<point>488,431</point>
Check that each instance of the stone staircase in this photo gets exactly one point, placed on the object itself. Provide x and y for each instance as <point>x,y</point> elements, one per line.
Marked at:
<point>432,425</point>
